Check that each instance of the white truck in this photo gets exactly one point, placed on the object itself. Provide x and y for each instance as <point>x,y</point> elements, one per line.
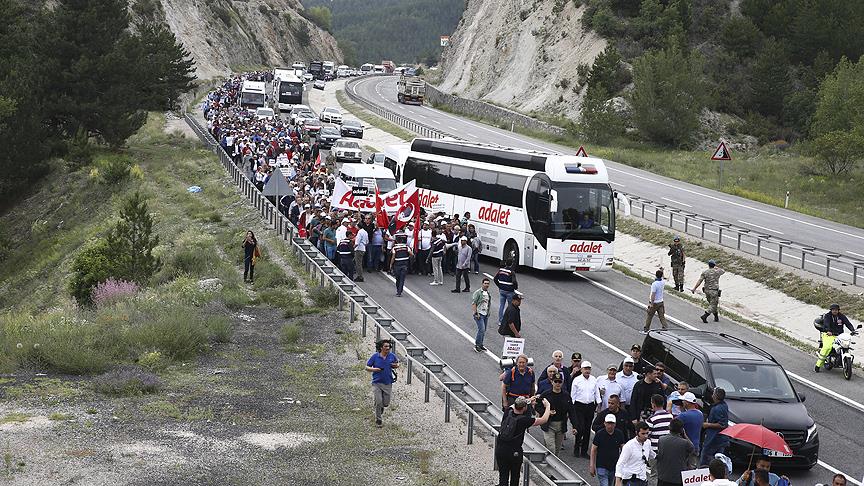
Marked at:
<point>329,68</point>
<point>410,90</point>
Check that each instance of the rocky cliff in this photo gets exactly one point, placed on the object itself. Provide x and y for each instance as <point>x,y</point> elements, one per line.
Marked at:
<point>225,35</point>
<point>521,55</point>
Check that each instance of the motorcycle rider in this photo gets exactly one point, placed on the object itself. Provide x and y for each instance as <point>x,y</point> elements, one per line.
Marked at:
<point>832,326</point>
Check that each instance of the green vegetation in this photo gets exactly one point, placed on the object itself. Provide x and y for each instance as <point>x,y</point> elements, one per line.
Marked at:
<point>320,16</point>
<point>399,30</point>
<point>14,417</point>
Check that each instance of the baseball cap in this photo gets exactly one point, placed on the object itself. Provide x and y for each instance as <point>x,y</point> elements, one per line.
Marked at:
<point>586,364</point>
<point>712,262</point>
<point>612,367</point>
<point>677,238</point>
<point>835,306</point>
<point>635,346</point>
<point>576,356</point>
<point>689,397</point>
<point>521,402</point>
<point>628,359</point>
<point>610,418</point>
<point>306,206</point>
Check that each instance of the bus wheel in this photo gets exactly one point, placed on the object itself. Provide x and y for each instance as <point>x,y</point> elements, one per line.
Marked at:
<point>511,253</point>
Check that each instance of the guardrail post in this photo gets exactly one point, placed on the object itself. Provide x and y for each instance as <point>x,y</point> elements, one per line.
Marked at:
<point>827,265</point>
<point>854,274</point>
<point>758,246</point>
<point>447,407</point>
<point>377,332</point>
<point>353,313</point>
<point>780,253</point>
<point>321,284</point>
<point>410,366</point>
<point>427,375</point>
<point>720,233</point>
<point>643,209</point>
<point>703,230</point>
<point>739,240</point>
<point>526,471</point>
<point>363,332</point>
<point>804,260</point>
<point>470,427</point>
<point>342,302</point>
<point>656,215</point>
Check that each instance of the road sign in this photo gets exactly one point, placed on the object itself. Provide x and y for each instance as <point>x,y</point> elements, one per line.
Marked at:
<point>581,152</point>
<point>721,153</point>
<point>445,40</point>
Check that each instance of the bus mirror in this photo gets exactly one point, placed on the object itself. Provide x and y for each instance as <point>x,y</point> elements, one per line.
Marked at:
<point>553,204</point>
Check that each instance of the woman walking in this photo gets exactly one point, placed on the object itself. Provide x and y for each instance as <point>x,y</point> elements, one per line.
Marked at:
<point>250,253</point>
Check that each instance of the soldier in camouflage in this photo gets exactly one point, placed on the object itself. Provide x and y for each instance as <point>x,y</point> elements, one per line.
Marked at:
<point>676,252</point>
<point>711,278</point>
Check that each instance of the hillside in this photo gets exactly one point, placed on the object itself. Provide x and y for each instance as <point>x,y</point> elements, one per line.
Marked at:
<point>225,34</point>
<point>401,30</point>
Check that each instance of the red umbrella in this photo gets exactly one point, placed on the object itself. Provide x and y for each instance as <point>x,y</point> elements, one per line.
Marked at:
<point>759,436</point>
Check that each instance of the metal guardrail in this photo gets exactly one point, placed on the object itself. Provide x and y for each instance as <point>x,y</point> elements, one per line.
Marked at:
<point>763,245</point>
<point>548,467</point>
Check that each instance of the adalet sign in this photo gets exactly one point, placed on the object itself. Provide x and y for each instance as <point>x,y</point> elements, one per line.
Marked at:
<point>513,347</point>
<point>695,477</point>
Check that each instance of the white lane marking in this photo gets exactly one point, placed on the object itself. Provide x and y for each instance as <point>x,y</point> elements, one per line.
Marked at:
<point>605,343</point>
<point>853,253</point>
<point>439,315</point>
<point>617,184</point>
<point>676,202</point>
<point>800,379</point>
<point>451,127</point>
<point>421,116</point>
<point>760,227</point>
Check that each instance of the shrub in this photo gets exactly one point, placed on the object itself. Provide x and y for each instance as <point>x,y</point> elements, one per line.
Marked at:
<point>113,168</point>
<point>281,297</point>
<point>320,16</point>
<point>234,298</point>
<point>132,241</point>
<point>92,265</point>
<point>111,291</point>
<point>599,121</point>
<point>289,334</point>
<point>191,261</point>
<point>179,332</point>
<point>324,297</point>
<point>151,360</point>
<point>79,150</point>
<point>127,381</point>
<point>220,329</point>
<point>269,275</point>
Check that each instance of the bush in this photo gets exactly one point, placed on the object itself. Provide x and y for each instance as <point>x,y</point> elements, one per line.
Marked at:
<point>220,329</point>
<point>234,298</point>
<point>191,261</point>
<point>324,297</point>
<point>127,381</point>
<point>289,334</point>
<point>151,360</point>
<point>269,275</point>
<point>113,168</point>
<point>281,297</point>
<point>177,331</point>
<point>111,291</point>
<point>599,121</point>
<point>79,150</point>
<point>92,265</point>
<point>320,16</point>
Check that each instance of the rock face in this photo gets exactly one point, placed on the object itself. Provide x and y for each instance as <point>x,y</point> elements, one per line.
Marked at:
<point>520,55</point>
<point>225,35</point>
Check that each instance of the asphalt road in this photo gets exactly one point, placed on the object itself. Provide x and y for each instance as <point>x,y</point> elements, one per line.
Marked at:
<point>562,311</point>
<point>761,218</point>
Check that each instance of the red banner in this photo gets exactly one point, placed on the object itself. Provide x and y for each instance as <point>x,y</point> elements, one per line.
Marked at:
<point>391,202</point>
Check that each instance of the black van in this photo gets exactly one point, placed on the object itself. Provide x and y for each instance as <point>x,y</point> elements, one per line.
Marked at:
<point>757,388</point>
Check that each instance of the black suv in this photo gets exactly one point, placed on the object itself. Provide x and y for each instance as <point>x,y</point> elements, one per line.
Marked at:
<point>757,388</point>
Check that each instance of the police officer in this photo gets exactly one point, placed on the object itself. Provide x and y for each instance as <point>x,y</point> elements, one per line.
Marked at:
<point>676,252</point>
<point>345,251</point>
<point>505,279</point>
<point>711,278</point>
<point>399,260</point>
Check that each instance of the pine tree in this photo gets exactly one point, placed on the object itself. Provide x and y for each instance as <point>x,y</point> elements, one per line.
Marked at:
<point>599,121</point>
<point>165,67</point>
<point>131,241</point>
<point>769,80</point>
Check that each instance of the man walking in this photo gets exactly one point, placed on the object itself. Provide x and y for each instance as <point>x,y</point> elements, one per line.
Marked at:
<point>360,242</point>
<point>718,419</point>
<point>692,418</point>
<point>586,396</point>
<point>399,262</point>
<point>605,450</point>
<point>508,444</point>
<point>556,427</point>
<point>640,401</point>
<point>627,379</point>
<point>655,303</point>
<point>345,250</point>
<point>480,307</point>
<point>425,243</point>
<point>632,466</point>
<point>518,382</point>
<point>609,385</point>
<point>505,279</point>
<point>658,424</point>
<point>676,255</point>
<point>622,420</point>
<point>463,264</point>
<point>511,323</point>
<point>381,365</point>
<point>673,455</point>
<point>711,278</point>
<point>439,245</point>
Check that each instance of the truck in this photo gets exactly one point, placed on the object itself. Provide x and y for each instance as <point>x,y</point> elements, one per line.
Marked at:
<point>316,69</point>
<point>388,66</point>
<point>329,70</point>
<point>410,90</point>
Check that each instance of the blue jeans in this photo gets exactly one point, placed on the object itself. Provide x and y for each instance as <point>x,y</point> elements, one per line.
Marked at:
<point>506,298</point>
<point>481,320</point>
<point>606,476</point>
<point>475,262</point>
<point>399,270</point>
<point>373,257</point>
<point>711,448</point>
<point>330,251</point>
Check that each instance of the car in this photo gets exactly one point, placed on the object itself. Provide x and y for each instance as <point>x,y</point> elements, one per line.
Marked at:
<point>319,84</point>
<point>347,151</point>
<point>758,391</point>
<point>376,158</point>
<point>330,115</point>
<point>311,125</point>
<point>352,128</point>
<point>308,77</point>
<point>327,136</point>
<point>265,113</point>
<point>342,73</point>
<point>296,110</point>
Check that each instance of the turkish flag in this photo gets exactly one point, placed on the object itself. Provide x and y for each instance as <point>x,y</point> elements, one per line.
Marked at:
<point>318,160</point>
<point>410,211</point>
<point>301,225</point>
<point>381,219</point>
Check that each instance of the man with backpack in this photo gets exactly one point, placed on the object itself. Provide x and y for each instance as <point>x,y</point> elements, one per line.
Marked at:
<point>508,444</point>
<point>505,279</point>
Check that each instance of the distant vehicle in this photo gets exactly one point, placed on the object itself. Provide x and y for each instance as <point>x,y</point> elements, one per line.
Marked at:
<point>319,84</point>
<point>327,136</point>
<point>368,175</point>
<point>330,115</point>
<point>298,65</point>
<point>265,113</point>
<point>347,151</point>
<point>253,95</point>
<point>410,71</point>
<point>366,68</point>
<point>410,90</point>
<point>297,110</point>
<point>316,69</point>
<point>308,77</point>
<point>311,125</point>
<point>378,69</point>
<point>342,73</point>
<point>388,66</point>
<point>352,128</point>
<point>287,91</point>
<point>329,70</point>
<point>376,158</point>
<point>399,70</point>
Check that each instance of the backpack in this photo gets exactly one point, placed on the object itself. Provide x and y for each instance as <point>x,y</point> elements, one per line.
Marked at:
<point>507,432</point>
<point>504,329</point>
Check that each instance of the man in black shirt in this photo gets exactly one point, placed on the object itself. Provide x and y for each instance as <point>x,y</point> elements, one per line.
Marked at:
<point>605,451</point>
<point>511,324</point>
<point>622,418</point>
<point>639,364</point>
<point>508,450</point>
<point>555,430</point>
<point>640,400</point>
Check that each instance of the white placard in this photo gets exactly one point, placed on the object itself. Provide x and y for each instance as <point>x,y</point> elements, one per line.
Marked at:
<point>695,477</point>
<point>513,346</point>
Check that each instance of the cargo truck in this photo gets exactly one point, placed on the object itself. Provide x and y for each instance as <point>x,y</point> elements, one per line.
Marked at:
<point>410,90</point>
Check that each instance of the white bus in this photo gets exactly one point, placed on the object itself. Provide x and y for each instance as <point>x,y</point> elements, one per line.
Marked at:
<point>329,68</point>
<point>366,68</point>
<point>252,95</point>
<point>541,210</point>
<point>287,90</point>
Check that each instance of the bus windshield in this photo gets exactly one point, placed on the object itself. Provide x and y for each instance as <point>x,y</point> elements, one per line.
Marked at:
<point>584,211</point>
<point>290,89</point>
<point>251,99</point>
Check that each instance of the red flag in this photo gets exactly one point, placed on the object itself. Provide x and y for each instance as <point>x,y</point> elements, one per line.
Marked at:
<point>301,225</point>
<point>417,227</point>
<point>381,219</point>
<point>318,160</point>
<point>409,211</point>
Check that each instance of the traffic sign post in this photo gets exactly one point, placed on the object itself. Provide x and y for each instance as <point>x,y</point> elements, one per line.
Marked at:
<point>581,152</point>
<point>721,154</point>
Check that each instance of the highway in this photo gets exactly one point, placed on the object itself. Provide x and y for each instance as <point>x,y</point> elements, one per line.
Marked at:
<point>760,218</point>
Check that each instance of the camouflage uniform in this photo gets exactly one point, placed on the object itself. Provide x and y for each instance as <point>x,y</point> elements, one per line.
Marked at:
<point>676,251</point>
<point>711,278</point>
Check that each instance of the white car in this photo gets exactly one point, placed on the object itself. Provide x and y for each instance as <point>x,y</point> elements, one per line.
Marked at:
<point>296,110</point>
<point>347,150</point>
<point>265,113</point>
<point>319,84</point>
<point>331,115</point>
<point>308,77</point>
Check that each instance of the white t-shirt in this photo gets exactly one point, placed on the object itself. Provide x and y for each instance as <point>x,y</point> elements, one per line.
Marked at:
<point>425,239</point>
<point>657,290</point>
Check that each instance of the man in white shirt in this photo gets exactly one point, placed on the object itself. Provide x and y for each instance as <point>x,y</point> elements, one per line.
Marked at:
<point>360,242</point>
<point>425,246</point>
<point>343,229</point>
<point>655,303</point>
<point>609,385</point>
<point>586,396</point>
<point>718,471</point>
<point>627,379</point>
<point>632,466</point>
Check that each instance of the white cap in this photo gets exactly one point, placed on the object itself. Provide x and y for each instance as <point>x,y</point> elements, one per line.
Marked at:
<point>628,359</point>
<point>689,397</point>
<point>464,238</point>
<point>611,418</point>
<point>586,364</point>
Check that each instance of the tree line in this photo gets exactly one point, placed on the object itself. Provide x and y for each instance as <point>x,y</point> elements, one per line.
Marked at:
<point>787,68</point>
<point>398,30</point>
<point>79,73</point>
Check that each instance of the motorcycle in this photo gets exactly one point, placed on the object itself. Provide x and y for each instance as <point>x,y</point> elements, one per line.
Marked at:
<point>841,353</point>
